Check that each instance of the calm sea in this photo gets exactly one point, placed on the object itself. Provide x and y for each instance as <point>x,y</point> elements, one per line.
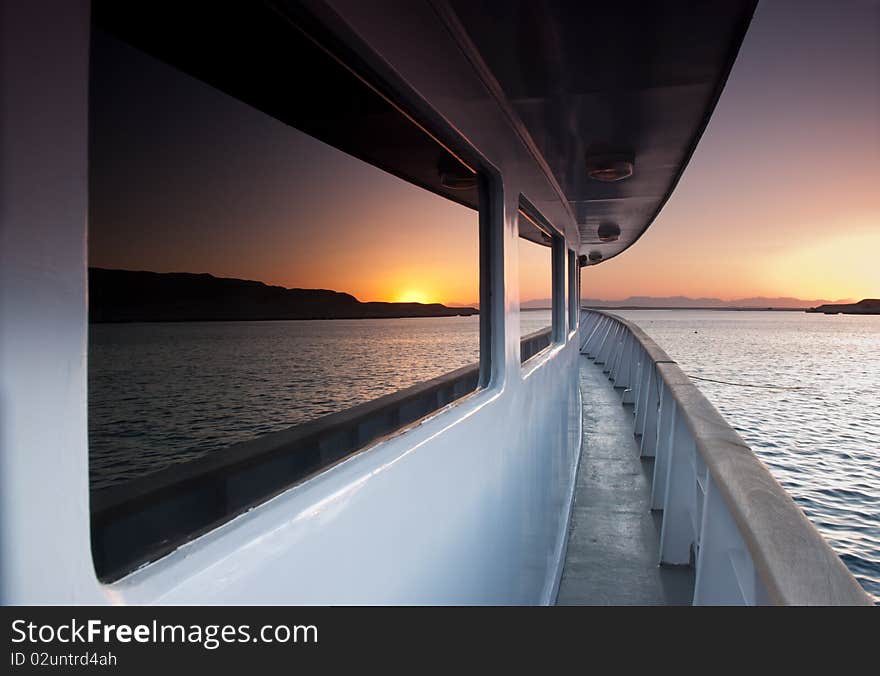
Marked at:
<point>166,393</point>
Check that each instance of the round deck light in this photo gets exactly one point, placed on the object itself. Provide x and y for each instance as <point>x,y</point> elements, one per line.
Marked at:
<point>608,232</point>
<point>610,167</point>
<point>595,256</point>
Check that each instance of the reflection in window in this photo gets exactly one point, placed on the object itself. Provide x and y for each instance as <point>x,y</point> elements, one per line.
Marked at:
<point>535,284</point>
<point>262,304</point>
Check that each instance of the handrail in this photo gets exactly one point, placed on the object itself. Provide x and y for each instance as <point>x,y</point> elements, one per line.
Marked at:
<point>535,342</point>
<point>753,545</point>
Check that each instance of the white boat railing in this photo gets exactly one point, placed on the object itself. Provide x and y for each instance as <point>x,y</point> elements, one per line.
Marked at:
<point>723,512</point>
<point>147,517</point>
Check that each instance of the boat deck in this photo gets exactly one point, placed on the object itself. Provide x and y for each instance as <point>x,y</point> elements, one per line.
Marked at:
<point>613,547</point>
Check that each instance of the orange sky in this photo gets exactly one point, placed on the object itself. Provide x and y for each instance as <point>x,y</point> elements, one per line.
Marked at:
<point>187,179</point>
<point>782,197</point>
<point>535,270</point>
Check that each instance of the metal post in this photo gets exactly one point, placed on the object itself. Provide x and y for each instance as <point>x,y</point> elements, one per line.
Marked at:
<point>648,445</point>
<point>663,450</point>
<point>598,337</point>
<point>607,340</point>
<point>725,572</point>
<point>621,368</point>
<point>677,532</point>
<point>644,394</point>
<point>629,395</point>
<point>615,351</point>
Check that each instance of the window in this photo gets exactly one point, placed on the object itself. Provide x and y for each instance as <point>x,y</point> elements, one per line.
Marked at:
<point>283,268</point>
<point>573,273</point>
<point>541,315</point>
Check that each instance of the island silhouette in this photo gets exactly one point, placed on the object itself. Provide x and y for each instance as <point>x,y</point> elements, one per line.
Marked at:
<point>867,306</point>
<point>143,296</point>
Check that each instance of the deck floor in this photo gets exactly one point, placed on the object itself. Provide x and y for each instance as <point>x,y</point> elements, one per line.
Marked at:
<point>614,537</point>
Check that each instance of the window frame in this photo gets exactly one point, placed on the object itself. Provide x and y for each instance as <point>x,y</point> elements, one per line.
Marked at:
<point>573,300</point>
<point>533,345</point>
<point>367,432</point>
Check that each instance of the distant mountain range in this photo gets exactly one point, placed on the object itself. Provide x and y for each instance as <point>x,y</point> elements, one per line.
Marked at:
<point>782,303</point>
<point>129,296</point>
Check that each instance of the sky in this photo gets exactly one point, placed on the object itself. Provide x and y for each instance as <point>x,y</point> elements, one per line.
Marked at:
<point>779,199</point>
<point>535,270</point>
<point>782,196</point>
<point>184,178</point>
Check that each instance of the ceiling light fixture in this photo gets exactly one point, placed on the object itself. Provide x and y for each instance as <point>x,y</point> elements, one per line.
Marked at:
<point>608,232</point>
<point>610,167</point>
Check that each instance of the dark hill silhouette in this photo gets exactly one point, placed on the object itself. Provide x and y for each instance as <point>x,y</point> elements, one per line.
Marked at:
<point>129,296</point>
<point>868,306</point>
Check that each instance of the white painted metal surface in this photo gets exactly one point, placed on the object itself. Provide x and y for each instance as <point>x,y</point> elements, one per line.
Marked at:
<point>722,510</point>
<point>469,507</point>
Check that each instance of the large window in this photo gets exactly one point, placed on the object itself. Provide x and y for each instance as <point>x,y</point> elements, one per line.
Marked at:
<point>283,268</point>
<point>541,295</point>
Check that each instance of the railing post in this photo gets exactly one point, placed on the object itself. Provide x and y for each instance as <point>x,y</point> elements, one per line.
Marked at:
<point>612,347</point>
<point>725,572</point>
<point>596,340</point>
<point>586,328</point>
<point>587,324</point>
<point>606,331</point>
<point>611,354</point>
<point>603,346</point>
<point>648,444</point>
<point>602,354</point>
<point>677,531</point>
<point>664,447</point>
<point>629,394</point>
<point>637,380</point>
<point>589,336</point>
<point>620,360</point>
<point>645,379</point>
<point>587,320</point>
<point>615,350</point>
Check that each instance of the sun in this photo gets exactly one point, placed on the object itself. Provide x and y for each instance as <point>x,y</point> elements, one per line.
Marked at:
<point>413,296</point>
